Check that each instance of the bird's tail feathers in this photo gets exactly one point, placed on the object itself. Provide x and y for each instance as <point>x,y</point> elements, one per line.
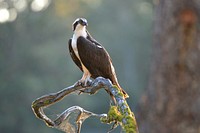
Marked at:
<point>122,90</point>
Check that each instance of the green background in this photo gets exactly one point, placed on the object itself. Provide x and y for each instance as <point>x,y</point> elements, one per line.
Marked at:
<point>34,58</point>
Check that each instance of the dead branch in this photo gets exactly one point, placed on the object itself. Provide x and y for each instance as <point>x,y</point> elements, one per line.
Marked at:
<point>120,113</point>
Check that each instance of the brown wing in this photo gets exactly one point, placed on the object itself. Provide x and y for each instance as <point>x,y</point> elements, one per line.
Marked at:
<point>73,55</point>
<point>95,58</point>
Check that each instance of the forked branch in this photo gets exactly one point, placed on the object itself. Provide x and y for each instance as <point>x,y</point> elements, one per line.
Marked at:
<point>119,113</point>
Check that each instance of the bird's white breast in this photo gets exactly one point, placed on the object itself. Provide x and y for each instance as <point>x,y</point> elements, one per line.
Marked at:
<point>80,31</point>
<point>74,46</point>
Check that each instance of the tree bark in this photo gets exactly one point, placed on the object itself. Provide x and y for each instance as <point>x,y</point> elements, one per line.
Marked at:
<point>172,101</point>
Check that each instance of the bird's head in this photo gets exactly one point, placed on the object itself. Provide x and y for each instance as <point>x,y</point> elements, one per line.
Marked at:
<point>79,23</point>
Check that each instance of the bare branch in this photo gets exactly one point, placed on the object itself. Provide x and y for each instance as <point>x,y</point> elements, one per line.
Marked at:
<point>120,113</point>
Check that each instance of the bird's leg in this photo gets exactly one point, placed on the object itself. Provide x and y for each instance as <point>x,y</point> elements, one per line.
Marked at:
<point>85,80</point>
<point>82,80</point>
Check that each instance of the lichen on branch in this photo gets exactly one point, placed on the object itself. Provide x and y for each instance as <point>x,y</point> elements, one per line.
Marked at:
<point>119,113</point>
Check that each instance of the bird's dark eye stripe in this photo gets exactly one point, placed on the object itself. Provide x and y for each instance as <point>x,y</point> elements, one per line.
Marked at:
<point>74,26</point>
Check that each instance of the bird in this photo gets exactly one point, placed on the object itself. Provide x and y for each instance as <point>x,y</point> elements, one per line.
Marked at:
<point>90,56</point>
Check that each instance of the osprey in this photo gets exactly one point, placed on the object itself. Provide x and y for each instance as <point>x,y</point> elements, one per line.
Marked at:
<point>90,56</point>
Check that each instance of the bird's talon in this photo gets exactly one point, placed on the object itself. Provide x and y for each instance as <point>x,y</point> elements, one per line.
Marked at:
<point>89,83</point>
<point>79,83</point>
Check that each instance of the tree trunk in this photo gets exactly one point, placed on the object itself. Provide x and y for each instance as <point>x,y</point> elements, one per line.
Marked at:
<point>172,101</point>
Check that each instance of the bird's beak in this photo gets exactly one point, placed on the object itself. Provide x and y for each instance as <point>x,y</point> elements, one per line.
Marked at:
<point>84,23</point>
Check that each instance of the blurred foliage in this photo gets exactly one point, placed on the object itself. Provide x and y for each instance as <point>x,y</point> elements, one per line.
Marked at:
<point>34,58</point>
